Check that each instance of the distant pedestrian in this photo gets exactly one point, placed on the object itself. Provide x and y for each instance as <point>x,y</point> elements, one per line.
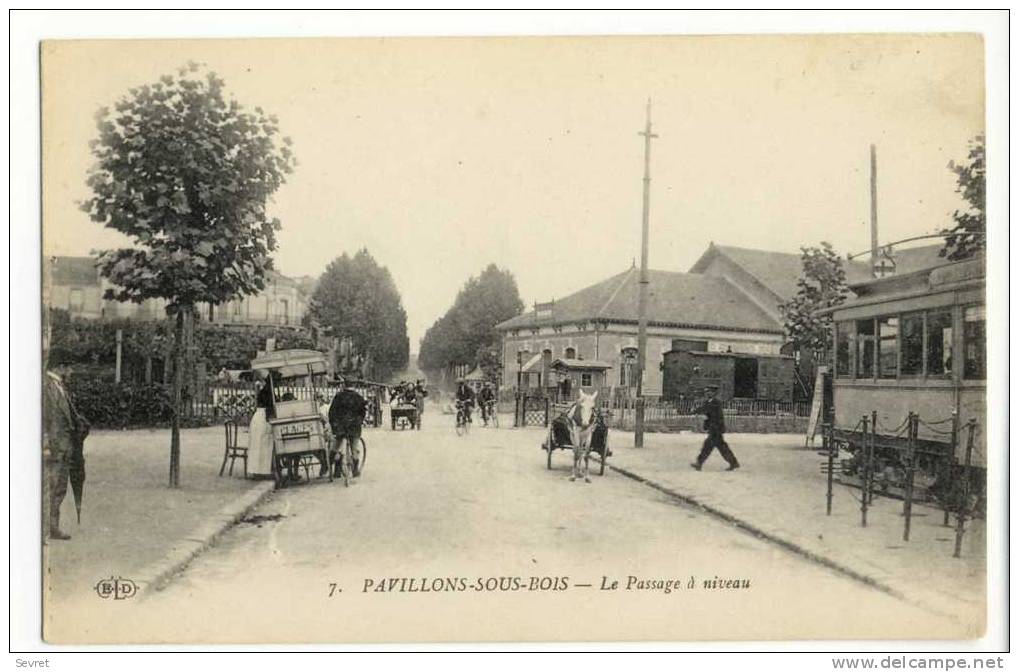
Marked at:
<point>64,432</point>
<point>420,392</point>
<point>714,423</point>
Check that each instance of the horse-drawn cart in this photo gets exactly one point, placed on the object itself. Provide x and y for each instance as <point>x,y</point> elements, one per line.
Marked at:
<point>560,437</point>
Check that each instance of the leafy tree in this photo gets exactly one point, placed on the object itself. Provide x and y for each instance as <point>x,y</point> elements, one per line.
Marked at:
<point>968,236</point>
<point>822,285</point>
<point>466,333</point>
<point>186,174</point>
<point>356,298</point>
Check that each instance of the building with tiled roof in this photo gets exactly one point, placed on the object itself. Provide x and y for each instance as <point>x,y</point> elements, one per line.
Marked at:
<point>600,323</point>
<point>770,278</point>
<point>727,303</point>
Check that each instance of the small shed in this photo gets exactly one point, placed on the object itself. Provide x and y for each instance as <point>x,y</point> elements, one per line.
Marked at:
<point>580,373</point>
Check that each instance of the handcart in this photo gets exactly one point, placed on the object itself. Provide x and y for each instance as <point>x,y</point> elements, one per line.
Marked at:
<point>299,442</point>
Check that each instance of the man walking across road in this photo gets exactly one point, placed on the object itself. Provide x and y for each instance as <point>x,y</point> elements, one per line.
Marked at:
<point>714,423</point>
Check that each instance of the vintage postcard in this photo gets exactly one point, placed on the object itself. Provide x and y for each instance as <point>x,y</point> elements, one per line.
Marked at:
<point>674,338</point>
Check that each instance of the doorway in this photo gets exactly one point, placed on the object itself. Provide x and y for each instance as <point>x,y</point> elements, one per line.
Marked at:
<point>745,378</point>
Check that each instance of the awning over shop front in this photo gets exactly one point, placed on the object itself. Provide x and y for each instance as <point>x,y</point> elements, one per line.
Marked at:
<point>580,365</point>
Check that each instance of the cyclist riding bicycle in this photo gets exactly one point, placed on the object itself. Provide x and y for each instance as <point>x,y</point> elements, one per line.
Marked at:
<point>465,399</point>
<point>346,418</point>
<point>486,401</point>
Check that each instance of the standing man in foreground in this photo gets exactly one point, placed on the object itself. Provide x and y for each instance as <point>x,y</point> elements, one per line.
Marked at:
<point>714,423</point>
<point>63,445</point>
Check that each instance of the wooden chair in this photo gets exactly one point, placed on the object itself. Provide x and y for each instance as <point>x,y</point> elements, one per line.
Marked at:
<point>233,449</point>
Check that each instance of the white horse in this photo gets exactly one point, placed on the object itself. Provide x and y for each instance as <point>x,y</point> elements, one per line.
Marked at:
<point>581,418</point>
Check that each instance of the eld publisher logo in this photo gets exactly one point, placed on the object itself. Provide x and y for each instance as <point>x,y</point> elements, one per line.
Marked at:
<point>118,588</point>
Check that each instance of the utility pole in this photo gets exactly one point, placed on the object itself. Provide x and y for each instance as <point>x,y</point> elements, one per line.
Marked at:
<point>638,424</point>
<point>873,210</point>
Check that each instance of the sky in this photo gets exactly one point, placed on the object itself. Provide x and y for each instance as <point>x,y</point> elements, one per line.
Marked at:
<point>444,155</point>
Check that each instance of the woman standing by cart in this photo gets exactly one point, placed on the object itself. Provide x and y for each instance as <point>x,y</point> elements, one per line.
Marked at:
<point>260,433</point>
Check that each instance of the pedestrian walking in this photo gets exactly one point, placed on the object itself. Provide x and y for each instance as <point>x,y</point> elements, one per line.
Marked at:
<point>714,423</point>
<point>63,444</point>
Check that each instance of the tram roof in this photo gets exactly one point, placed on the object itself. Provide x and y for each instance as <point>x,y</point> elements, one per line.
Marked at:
<point>926,282</point>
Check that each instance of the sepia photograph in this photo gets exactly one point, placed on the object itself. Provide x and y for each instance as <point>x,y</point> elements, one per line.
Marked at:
<point>632,338</point>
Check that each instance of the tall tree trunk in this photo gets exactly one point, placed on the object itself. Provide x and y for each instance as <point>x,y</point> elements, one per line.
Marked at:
<point>180,345</point>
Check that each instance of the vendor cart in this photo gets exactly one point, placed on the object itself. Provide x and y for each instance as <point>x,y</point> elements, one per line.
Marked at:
<point>299,441</point>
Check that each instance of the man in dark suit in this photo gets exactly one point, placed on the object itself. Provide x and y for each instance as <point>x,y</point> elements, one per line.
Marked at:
<point>714,423</point>
<point>465,397</point>
<point>63,442</point>
<point>346,417</point>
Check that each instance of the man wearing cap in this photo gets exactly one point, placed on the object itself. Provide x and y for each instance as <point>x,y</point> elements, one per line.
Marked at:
<point>346,417</point>
<point>714,423</point>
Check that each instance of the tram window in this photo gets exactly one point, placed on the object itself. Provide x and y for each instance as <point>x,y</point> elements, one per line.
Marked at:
<point>842,349</point>
<point>865,347</point>
<point>974,340</point>
<point>939,343</point>
<point>912,345</point>
<point>888,347</point>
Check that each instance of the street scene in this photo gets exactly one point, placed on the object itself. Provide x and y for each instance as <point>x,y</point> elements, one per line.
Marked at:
<point>484,512</point>
<point>426,343</point>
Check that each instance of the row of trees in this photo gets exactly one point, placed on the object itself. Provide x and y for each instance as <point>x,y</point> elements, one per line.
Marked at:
<point>466,335</point>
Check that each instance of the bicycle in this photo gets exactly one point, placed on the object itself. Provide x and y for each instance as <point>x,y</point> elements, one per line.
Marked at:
<point>491,414</point>
<point>463,419</point>
<point>343,462</point>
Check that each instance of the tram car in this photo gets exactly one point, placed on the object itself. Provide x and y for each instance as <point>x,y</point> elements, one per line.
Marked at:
<point>913,343</point>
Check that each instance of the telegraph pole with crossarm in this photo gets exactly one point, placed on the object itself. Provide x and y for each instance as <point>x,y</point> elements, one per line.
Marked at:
<point>638,425</point>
